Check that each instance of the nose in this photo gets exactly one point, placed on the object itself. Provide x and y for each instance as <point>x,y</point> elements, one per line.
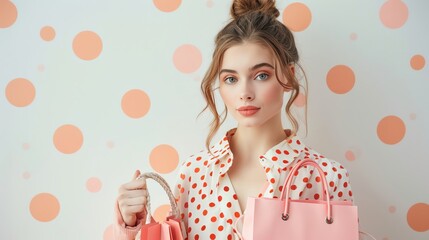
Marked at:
<point>247,94</point>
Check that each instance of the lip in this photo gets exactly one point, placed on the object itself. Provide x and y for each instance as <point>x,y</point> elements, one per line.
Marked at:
<point>248,110</point>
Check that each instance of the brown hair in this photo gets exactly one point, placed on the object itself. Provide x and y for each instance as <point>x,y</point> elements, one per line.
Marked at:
<point>254,21</point>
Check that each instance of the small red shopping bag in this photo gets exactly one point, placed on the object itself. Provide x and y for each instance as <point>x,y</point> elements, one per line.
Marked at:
<point>172,228</point>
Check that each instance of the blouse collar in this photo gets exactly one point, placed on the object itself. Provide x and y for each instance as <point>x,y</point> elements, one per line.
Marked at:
<point>280,155</point>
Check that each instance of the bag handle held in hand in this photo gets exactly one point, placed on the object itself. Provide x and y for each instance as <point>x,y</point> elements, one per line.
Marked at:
<point>289,181</point>
<point>166,187</point>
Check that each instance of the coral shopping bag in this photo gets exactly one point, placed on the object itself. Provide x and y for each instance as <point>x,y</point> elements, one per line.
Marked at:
<point>170,229</point>
<point>286,219</point>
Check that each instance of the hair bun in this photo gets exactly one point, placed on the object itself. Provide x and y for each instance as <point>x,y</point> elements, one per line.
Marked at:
<point>242,7</point>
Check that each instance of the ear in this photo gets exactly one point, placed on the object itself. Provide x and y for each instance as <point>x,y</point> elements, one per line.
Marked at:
<point>292,69</point>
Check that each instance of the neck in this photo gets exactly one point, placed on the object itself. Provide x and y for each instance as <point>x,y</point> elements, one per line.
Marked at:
<point>251,142</point>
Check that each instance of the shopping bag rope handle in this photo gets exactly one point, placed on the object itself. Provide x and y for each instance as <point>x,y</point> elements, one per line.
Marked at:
<point>161,181</point>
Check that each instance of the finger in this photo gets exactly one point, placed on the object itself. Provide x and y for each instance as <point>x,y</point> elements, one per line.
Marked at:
<point>136,201</point>
<point>136,174</point>
<point>126,194</point>
<point>135,209</point>
<point>135,184</point>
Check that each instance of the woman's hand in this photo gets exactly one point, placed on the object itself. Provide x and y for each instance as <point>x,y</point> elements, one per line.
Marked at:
<point>132,200</point>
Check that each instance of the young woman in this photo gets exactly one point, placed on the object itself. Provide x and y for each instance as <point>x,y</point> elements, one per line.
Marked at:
<point>253,68</point>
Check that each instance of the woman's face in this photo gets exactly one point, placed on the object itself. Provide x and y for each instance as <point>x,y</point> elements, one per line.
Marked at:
<point>248,85</point>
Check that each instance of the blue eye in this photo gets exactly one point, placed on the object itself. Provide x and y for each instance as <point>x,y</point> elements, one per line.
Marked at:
<point>230,80</point>
<point>262,76</point>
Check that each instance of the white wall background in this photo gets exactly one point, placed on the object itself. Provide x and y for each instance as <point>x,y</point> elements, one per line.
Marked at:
<point>67,141</point>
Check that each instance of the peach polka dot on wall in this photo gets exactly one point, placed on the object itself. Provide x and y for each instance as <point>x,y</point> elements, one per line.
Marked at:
<point>300,100</point>
<point>164,158</point>
<point>44,207</point>
<point>109,233</point>
<point>87,45</point>
<point>340,79</point>
<point>93,184</point>
<point>417,62</point>
<point>68,139</point>
<point>167,5</point>
<point>8,13</point>
<point>391,130</point>
<point>418,217</point>
<point>393,14</point>
<point>297,17</point>
<point>135,103</point>
<point>20,92</point>
<point>47,33</point>
<point>161,212</point>
<point>187,58</point>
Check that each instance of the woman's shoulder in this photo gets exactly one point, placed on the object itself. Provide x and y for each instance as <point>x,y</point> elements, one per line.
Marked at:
<point>332,168</point>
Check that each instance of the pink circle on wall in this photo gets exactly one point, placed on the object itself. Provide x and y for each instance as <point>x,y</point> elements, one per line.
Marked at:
<point>47,33</point>
<point>297,17</point>
<point>164,158</point>
<point>93,185</point>
<point>300,100</point>
<point>340,79</point>
<point>187,58</point>
<point>135,103</point>
<point>109,233</point>
<point>20,92</point>
<point>8,13</point>
<point>350,155</point>
<point>394,13</point>
<point>44,207</point>
<point>167,5</point>
<point>68,139</point>
<point>87,45</point>
<point>26,175</point>
<point>391,130</point>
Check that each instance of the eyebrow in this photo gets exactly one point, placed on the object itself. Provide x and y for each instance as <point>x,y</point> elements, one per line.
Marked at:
<point>252,68</point>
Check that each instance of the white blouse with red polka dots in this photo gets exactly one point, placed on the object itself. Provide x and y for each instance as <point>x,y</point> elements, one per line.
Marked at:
<point>206,197</point>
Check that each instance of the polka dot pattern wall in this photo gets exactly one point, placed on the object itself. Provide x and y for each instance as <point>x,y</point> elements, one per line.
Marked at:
<point>92,92</point>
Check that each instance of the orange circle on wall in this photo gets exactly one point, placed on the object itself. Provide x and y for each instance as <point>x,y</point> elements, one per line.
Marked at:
<point>44,207</point>
<point>47,33</point>
<point>391,130</point>
<point>8,13</point>
<point>418,217</point>
<point>167,5</point>
<point>135,103</point>
<point>297,17</point>
<point>68,139</point>
<point>87,45</point>
<point>340,79</point>
<point>20,92</point>
<point>417,62</point>
<point>164,158</point>
<point>161,212</point>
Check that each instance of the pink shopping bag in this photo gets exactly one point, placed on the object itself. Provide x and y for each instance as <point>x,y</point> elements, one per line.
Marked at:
<point>286,219</point>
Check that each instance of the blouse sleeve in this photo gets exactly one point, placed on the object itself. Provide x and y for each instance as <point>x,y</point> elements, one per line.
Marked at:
<point>123,232</point>
<point>338,182</point>
<point>337,178</point>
